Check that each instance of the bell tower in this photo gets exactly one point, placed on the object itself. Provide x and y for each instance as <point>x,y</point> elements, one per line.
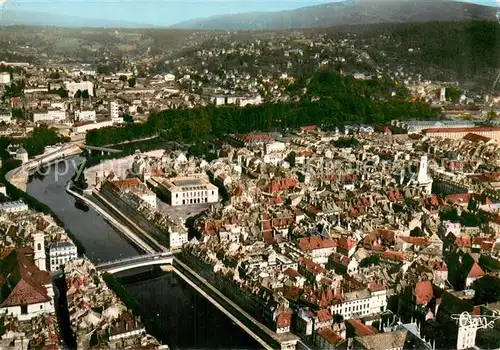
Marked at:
<point>39,248</point>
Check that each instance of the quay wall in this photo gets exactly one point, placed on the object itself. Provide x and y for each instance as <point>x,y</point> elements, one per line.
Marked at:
<point>140,220</point>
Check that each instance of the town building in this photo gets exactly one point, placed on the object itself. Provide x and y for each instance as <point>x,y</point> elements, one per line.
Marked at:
<point>4,78</point>
<point>60,253</point>
<point>85,115</point>
<point>26,288</point>
<point>113,110</point>
<point>83,127</point>
<point>72,87</point>
<point>13,207</point>
<point>5,117</point>
<point>186,190</point>
<point>49,115</point>
<point>459,133</point>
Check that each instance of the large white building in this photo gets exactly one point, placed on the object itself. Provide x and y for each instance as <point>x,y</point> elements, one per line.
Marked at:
<point>186,190</point>
<point>6,117</point>
<point>13,207</point>
<point>113,110</point>
<point>85,115</point>
<point>4,78</point>
<point>73,87</point>
<point>82,127</point>
<point>50,115</point>
<point>60,253</point>
<point>177,237</point>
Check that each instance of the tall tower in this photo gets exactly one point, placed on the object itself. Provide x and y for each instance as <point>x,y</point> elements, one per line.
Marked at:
<point>442,95</point>
<point>423,178</point>
<point>39,248</point>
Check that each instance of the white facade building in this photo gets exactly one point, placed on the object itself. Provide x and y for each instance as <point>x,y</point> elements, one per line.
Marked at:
<point>113,110</point>
<point>51,115</point>
<point>79,128</point>
<point>188,190</point>
<point>177,237</point>
<point>4,78</point>
<point>6,117</point>
<point>73,87</point>
<point>13,207</point>
<point>60,253</point>
<point>361,303</point>
<point>275,147</point>
<point>85,115</point>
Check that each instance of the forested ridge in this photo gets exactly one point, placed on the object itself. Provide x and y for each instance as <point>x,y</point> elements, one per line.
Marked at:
<point>330,99</point>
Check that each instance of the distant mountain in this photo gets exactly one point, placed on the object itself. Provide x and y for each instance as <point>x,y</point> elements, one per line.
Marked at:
<point>16,17</point>
<point>347,13</point>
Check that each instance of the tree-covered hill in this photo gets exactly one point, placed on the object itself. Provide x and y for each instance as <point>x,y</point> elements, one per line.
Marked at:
<point>331,99</point>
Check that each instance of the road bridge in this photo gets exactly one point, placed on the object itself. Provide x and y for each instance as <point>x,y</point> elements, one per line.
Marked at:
<point>115,266</point>
<point>102,150</point>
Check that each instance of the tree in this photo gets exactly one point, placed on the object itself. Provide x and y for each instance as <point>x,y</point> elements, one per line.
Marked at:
<point>85,94</point>
<point>54,75</point>
<point>132,81</point>
<point>103,69</point>
<point>491,115</point>
<point>17,113</point>
<point>123,78</point>
<point>61,92</point>
<point>291,158</point>
<point>487,290</point>
<point>128,118</point>
<point>452,93</point>
<point>78,93</point>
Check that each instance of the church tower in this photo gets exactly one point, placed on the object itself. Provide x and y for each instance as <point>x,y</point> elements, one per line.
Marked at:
<point>39,248</point>
<point>423,178</point>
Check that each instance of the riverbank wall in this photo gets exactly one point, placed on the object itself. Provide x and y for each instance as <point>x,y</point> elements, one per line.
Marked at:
<point>158,235</point>
<point>132,238</point>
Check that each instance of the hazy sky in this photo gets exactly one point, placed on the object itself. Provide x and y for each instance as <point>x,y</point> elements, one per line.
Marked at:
<point>158,12</point>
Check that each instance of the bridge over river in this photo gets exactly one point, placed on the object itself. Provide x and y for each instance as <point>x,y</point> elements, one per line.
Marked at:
<point>115,266</point>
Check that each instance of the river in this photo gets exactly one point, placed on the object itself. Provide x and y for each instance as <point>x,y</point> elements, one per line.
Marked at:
<point>183,318</point>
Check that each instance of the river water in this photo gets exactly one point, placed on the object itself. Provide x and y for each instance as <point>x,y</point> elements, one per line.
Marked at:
<point>182,317</point>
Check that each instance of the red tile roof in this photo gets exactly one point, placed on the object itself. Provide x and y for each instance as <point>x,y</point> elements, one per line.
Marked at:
<point>21,282</point>
<point>315,242</point>
<point>324,315</point>
<point>330,336</point>
<point>360,329</point>
<point>284,320</point>
<point>126,183</point>
<point>471,129</point>
<point>292,273</point>
<point>476,138</point>
<point>475,271</point>
<point>423,292</point>
<point>308,128</point>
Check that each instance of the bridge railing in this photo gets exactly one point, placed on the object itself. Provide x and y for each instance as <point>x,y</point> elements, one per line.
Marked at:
<point>133,258</point>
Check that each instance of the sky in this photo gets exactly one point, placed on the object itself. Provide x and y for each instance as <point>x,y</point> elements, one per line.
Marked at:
<point>158,12</point>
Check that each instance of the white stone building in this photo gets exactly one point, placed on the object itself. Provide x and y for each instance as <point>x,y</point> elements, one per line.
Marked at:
<point>85,115</point>
<point>50,115</point>
<point>73,87</point>
<point>4,78</point>
<point>13,207</point>
<point>60,253</point>
<point>187,190</point>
